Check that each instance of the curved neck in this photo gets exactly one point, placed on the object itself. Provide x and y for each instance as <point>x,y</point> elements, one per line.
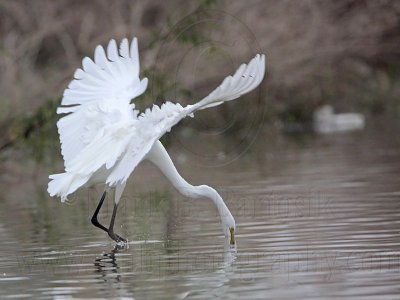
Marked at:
<point>210,193</point>
<point>159,156</point>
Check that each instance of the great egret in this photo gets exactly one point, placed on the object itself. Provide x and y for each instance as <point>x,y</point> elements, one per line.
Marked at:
<point>103,137</point>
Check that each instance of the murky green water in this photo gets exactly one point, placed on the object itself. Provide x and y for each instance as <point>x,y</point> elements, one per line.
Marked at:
<point>322,223</point>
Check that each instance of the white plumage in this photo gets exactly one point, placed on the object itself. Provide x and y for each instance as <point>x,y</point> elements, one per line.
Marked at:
<point>103,138</point>
<point>325,121</point>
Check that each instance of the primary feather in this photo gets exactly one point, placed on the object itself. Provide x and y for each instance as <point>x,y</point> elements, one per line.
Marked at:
<point>103,136</point>
<point>101,93</point>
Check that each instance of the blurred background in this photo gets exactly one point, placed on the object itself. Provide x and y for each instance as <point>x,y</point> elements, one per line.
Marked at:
<point>308,163</point>
<point>342,53</point>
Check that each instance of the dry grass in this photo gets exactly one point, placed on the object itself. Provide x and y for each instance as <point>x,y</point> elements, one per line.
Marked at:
<point>43,41</point>
<point>314,47</point>
<point>317,47</point>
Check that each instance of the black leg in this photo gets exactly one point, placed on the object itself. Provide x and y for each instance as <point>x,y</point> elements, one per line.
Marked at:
<point>96,223</point>
<point>111,233</point>
<point>94,220</point>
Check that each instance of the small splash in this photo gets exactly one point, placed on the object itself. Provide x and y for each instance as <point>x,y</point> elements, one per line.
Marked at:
<point>122,245</point>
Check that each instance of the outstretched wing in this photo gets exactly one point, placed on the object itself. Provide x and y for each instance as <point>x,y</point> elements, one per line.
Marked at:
<point>99,96</point>
<point>115,75</point>
<point>154,123</point>
<point>246,78</point>
<point>121,146</point>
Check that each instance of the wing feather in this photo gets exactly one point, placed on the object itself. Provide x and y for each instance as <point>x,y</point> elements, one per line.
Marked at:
<point>101,89</point>
<point>124,48</point>
<point>112,50</point>
<point>246,78</point>
<point>135,57</point>
<point>114,74</point>
<point>100,57</point>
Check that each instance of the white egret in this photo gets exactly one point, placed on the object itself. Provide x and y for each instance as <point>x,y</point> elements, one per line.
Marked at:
<point>103,137</point>
<point>326,121</point>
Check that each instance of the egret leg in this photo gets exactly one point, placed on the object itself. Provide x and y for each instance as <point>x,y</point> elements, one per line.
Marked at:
<point>111,233</point>
<point>96,222</point>
<point>94,219</point>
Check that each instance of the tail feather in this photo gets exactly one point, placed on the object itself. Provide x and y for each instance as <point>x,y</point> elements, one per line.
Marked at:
<point>64,184</point>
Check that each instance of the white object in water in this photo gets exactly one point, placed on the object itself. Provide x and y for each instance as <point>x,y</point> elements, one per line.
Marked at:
<point>103,137</point>
<point>326,121</point>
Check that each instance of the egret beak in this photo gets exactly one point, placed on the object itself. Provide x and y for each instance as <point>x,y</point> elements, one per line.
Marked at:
<point>232,231</point>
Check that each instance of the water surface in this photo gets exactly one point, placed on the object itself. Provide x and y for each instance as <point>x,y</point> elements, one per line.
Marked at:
<point>322,222</point>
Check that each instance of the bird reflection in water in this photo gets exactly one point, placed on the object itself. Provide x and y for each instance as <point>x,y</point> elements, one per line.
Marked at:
<point>106,265</point>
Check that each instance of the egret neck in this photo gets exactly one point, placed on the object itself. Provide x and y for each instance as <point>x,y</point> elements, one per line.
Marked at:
<point>159,157</point>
